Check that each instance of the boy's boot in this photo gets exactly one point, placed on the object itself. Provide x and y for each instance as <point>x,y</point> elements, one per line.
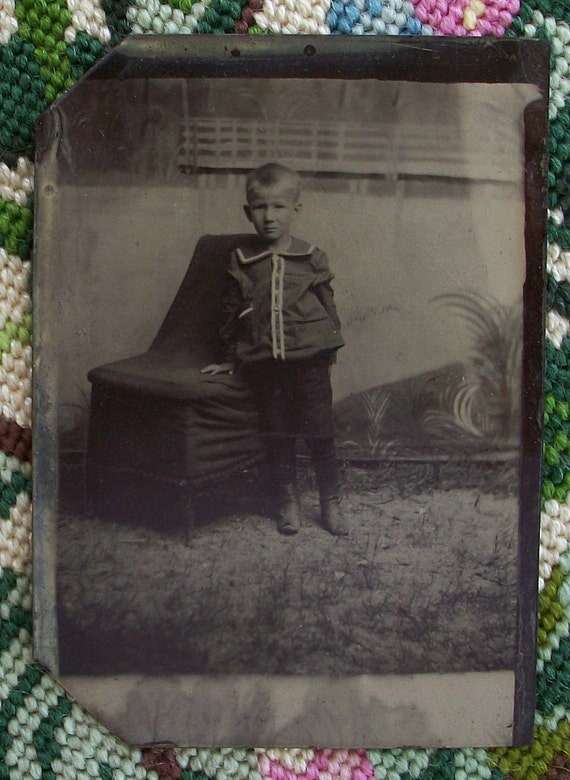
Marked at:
<point>333,517</point>
<point>288,510</point>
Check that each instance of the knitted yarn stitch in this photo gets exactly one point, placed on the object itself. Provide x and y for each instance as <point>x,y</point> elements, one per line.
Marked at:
<point>45,46</point>
<point>467,17</point>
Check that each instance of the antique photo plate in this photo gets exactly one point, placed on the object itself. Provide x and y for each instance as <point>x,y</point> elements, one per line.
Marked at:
<point>165,600</point>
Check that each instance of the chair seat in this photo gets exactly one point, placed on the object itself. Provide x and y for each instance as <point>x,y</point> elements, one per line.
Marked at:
<point>158,427</point>
<point>165,376</point>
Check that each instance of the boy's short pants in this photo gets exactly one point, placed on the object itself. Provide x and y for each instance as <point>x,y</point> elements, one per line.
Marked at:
<point>294,397</point>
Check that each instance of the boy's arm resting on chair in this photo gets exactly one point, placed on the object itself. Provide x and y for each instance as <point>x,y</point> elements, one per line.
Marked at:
<point>232,304</point>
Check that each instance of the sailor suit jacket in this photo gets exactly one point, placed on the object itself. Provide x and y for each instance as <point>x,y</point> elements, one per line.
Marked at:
<point>279,305</point>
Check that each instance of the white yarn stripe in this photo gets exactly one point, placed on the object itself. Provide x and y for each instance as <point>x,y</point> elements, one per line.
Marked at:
<point>18,182</point>
<point>554,720</point>
<point>559,34</point>
<point>294,16</point>
<point>15,384</point>
<point>21,757</point>
<point>87,16</point>
<point>554,537</point>
<point>8,21</point>
<point>213,762</point>
<point>558,263</point>
<point>557,328</point>
<point>149,16</point>
<point>556,215</point>
<point>389,764</point>
<point>293,759</point>
<point>9,464</point>
<point>198,758</point>
<point>16,536</point>
<point>15,301</point>
<point>84,743</point>
<point>12,664</point>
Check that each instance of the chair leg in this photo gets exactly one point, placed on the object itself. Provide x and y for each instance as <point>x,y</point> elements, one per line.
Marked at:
<point>190,515</point>
<point>195,504</point>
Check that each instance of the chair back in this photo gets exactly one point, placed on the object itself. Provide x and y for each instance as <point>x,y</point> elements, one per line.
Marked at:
<point>193,322</point>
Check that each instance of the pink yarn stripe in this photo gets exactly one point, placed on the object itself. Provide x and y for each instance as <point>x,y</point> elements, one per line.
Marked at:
<point>325,765</point>
<point>456,17</point>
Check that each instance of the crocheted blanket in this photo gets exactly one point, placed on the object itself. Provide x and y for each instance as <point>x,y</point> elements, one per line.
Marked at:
<point>45,46</point>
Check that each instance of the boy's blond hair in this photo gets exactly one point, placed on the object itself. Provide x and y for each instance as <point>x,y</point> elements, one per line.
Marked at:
<point>271,174</point>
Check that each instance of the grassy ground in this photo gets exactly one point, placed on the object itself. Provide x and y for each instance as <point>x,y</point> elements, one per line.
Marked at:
<point>426,582</point>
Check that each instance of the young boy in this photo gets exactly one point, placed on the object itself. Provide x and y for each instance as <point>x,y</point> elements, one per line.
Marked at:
<point>282,329</point>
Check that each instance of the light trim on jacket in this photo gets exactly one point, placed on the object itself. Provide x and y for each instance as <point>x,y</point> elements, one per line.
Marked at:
<point>277,328</point>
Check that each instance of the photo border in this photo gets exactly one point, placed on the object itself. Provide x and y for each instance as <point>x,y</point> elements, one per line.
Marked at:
<point>441,60</point>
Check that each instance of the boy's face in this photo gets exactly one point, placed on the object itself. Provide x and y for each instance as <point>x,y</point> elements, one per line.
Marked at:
<point>272,210</point>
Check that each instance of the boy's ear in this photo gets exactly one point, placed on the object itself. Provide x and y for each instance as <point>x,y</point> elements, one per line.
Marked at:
<point>247,210</point>
<point>298,208</point>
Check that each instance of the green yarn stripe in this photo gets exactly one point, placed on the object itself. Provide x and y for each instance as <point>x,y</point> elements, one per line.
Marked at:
<point>14,619</point>
<point>8,582</point>
<point>552,687</point>
<point>553,691</point>
<point>8,498</point>
<point>84,53</point>
<point>556,410</point>
<point>557,370</point>
<point>184,5</point>
<point>45,30</point>
<point>8,708</point>
<point>556,437</point>
<point>220,16</point>
<point>13,331</point>
<point>189,774</point>
<point>22,98</point>
<point>15,474</point>
<point>559,159</point>
<point>518,28</point>
<point>554,610</point>
<point>550,608</point>
<point>558,234</point>
<point>46,747</point>
<point>558,296</point>
<point>559,126</point>
<point>105,772</point>
<point>14,482</point>
<point>14,588</point>
<point>441,766</point>
<point>558,9</point>
<point>16,228</point>
<point>116,17</point>
<point>533,762</point>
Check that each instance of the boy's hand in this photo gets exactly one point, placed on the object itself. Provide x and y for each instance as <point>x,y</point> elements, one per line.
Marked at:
<point>218,368</point>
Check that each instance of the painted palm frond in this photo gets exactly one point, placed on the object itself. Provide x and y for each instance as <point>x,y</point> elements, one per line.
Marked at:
<point>464,417</point>
<point>485,406</point>
<point>375,407</point>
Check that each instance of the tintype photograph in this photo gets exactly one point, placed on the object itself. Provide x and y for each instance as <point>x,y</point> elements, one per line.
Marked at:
<point>288,391</point>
